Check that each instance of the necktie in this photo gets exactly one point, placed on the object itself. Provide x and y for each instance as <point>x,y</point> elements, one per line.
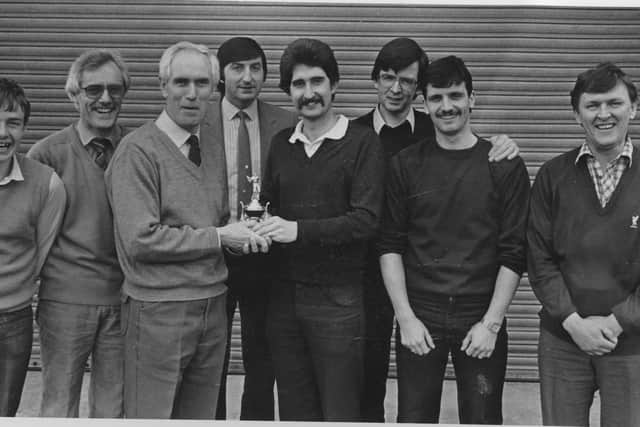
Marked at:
<point>101,148</point>
<point>243,162</point>
<point>194,150</point>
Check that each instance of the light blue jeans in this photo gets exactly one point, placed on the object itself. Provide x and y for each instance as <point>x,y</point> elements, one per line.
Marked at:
<point>69,334</point>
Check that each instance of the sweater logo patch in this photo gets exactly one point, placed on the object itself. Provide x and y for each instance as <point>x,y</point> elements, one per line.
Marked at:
<point>634,221</point>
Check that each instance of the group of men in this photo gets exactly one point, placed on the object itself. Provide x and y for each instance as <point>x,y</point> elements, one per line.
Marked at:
<point>397,214</point>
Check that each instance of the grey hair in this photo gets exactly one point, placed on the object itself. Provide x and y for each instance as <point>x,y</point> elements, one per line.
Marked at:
<point>90,60</point>
<point>164,69</point>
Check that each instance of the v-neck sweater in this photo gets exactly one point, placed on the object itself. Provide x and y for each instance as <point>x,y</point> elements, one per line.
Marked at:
<point>166,210</point>
<point>583,257</point>
<point>335,196</point>
<point>82,266</point>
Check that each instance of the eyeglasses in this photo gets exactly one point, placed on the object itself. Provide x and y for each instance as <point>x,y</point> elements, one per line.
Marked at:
<point>96,91</point>
<point>406,83</point>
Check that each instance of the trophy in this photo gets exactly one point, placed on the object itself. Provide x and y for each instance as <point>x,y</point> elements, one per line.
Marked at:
<point>254,210</point>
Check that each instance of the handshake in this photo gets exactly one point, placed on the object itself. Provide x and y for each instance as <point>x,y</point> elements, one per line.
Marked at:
<point>251,236</point>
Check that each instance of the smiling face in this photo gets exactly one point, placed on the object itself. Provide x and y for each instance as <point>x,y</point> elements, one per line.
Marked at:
<point>397,90</point>
<point>99,112</point>
<point>11,131</point>
<point>188,88</point>
<point>605,117</point>
<point>450,108</point>
<point>243,81</point>
<point>311,92</point>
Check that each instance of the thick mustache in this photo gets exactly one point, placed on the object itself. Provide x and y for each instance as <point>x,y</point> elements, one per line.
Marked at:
<point>448,113</point>
<point>306,101</point>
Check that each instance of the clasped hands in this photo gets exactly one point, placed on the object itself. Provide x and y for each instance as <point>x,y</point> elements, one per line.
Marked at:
<point>595,335</point>
<point>251,236</point>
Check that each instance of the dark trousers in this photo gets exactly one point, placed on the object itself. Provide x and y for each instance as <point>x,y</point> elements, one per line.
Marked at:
<point>569,378</point>
<point>16,335</point>
<point>377,346</point>
<point>315,335</point>
<point>249,290</point>
<point>174,352</point>
<point>479,381</point>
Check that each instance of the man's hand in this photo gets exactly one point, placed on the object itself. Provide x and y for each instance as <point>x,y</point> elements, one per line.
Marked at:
<point>237,237</point>
<point>277,229</point>
<point>415,336</point>
<point>592,334</point>
<point>479,342</point>
<point>503,147</point>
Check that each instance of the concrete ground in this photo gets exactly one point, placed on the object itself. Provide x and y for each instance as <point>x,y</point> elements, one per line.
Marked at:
<point>521,401</point>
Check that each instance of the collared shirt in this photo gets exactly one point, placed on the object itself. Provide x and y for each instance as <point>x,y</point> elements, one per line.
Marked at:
<point>86,136</point>
<point>338,131</point>
<point>230,126</point>
<point>378,120</point>
<point>605,181</point>
<point>175,133</point>
<point>50,218</point>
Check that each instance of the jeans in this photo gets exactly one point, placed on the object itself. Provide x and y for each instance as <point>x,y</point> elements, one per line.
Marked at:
<point>569,377</point>
<point>249,289</point>
<point>479,381</point>
<point>315,336</point>
<point>69,334</point>
<point>174,351</point>
<point>16,335</point>
<point>377,346</point>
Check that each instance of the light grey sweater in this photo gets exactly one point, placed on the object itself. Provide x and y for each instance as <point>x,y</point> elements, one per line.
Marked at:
<point>166,210</point>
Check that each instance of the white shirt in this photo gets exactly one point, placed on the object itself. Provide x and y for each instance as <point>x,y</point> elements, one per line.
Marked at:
<point>175,133</point>
<point>378,120</point>
<point>337,132</point>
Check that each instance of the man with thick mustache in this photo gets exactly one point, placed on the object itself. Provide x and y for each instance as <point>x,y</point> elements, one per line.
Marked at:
<point>246,125</point>
<point>32,199</point>
<point>323,179</point>
<point>398,76</point>
<point>79,298</point>
<point>452,252</point>
<point>584,252</point>
<point>166,186</point>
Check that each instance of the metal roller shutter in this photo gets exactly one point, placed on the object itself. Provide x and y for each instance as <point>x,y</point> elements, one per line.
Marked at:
<point>524,61</point>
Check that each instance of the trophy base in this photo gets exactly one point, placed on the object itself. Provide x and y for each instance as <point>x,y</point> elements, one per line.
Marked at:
<point>254,214</point>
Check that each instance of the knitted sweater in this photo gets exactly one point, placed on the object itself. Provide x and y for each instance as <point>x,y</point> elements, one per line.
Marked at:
<point>20,205</point>
<point>582,257</point>
<point>82,267</point>
<point>335,196</point>
<point>166,210</point>
<point>455,218</point>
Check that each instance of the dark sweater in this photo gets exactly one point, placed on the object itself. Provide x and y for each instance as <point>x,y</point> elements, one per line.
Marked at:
<point>82,266</point>
<point>395,139</point>
<point>584,258</point>
<point>455,218</point>
<point>335,196</point>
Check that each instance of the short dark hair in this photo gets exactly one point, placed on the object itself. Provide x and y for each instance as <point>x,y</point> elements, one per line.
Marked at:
<point>448,71</point>
<point>310,52</point>
<point>12,97</point>
<point>604,77</point>
<point>239,49</point>
<point>399,54</point>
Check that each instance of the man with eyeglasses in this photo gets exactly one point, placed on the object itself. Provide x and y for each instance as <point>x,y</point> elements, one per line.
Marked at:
<point>398,76</point>
<point>245,125</point>
<point>79,300</point>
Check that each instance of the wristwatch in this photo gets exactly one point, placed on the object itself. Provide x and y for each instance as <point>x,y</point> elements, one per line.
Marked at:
<point>493,327</point>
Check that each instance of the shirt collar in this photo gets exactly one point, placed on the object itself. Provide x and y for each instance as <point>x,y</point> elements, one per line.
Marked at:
<point>176,134</point>
<point>338,131</point>
<point>229,110</point>
<point>15,174</point>
<point>378,120</point>
<point>627,151</point>
<point>86,135</point>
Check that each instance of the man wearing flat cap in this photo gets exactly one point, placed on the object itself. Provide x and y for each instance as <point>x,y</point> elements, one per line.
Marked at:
<point>246,125</point>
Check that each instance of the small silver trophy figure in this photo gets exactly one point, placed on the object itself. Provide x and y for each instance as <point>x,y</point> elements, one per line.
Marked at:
<point>254,210</point>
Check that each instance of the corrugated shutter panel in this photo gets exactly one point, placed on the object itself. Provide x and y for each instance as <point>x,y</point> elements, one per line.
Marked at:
<point>524,61</point>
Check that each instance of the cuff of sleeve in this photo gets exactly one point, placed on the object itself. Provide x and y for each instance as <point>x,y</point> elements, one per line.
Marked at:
<point>307,232</point>
<point>515,266</point>
<point>624,319</point>
<point>567,312</point>
<point>215,239</point>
